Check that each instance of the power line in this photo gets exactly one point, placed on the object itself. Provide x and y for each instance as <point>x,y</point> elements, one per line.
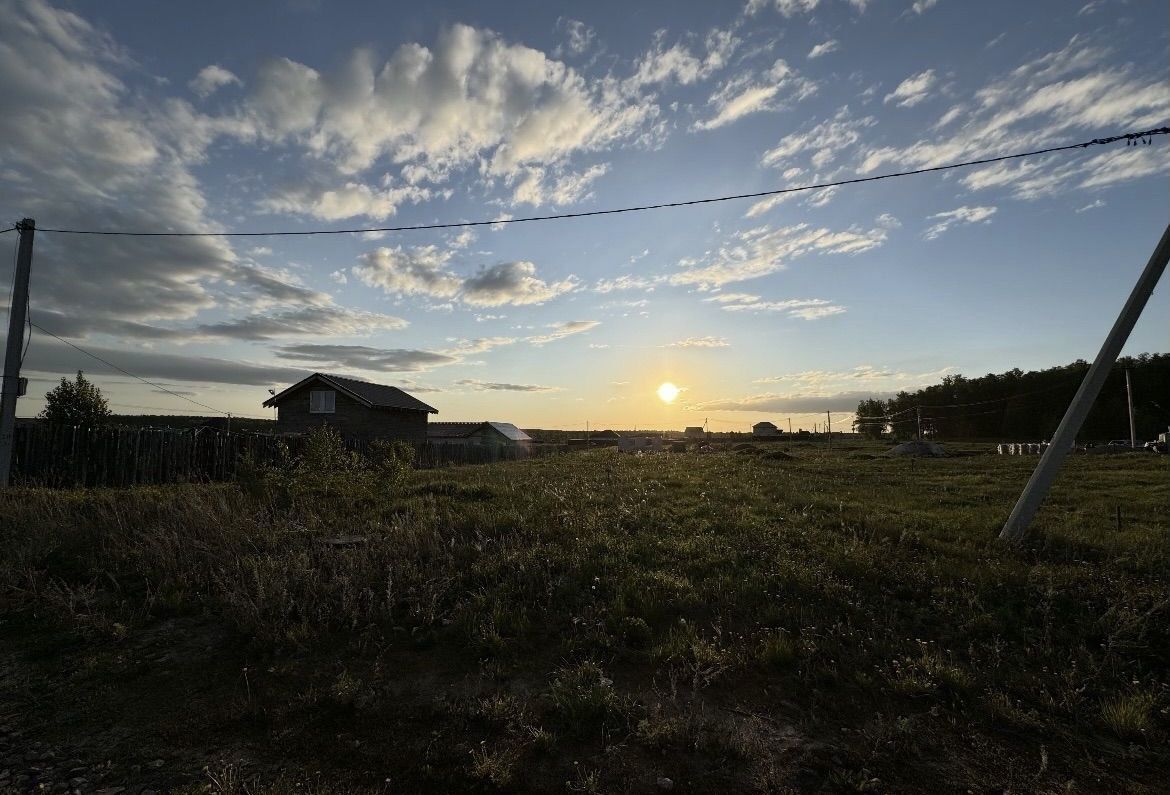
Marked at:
<point>1145,135</point>
<point>127,372</point>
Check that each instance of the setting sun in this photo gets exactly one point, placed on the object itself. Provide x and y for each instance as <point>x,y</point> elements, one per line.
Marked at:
<point>668,392</point>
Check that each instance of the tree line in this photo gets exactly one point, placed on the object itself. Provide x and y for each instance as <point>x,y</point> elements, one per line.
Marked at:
<point>1027,405</point>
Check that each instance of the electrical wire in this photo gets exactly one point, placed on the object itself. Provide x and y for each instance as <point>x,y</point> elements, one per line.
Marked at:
<point>1145,135</point>
<point>132,375</point>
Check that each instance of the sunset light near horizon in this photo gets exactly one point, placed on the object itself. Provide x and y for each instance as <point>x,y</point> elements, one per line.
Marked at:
<point>155,117</point>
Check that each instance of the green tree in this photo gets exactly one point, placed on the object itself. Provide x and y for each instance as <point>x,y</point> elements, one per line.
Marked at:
<point>867,423</point>
<point>77,402</point>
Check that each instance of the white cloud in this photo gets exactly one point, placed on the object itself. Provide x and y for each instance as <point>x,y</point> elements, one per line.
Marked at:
<point>562,329</point>
<point>347,201</point>
<point>824,48</point>
<point>960,215</point>
<point>1069,92</point>
<point>646,283</point>
<point>922,6</point>
<point>701,342</point>
<point>512,283</point>
<point>473,98</point>
<point>1093,205</point>
<point>912,90</point>
<point>539,186</point>
<point>748,93</point>
<point>494,386</point>
<point>757,252</point>
<point>803,308</point>
<point>424,270</point>
<point>786,7</point>
<point>409,271</point>
<point>888,221</point>
<point>212,78</point>
<point>822,143</point>
<point>578,36</point>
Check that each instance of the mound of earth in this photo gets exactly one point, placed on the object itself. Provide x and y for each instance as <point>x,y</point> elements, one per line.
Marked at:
<point>930,449</point>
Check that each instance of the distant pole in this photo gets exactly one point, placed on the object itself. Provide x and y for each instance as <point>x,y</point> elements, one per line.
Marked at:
<point>1016,527</point>
<point>17,316</point>
<point>918,411</point>
<point>789,426</point>
<point>829,428</point>
<point>1129,397</point>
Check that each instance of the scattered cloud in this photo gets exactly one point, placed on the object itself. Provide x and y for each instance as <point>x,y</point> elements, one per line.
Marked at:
<point>701,342</point>
<point>912,90</point>
<point>646,283</point>
<point>491,386</point>
<point>1070,91</point>
<point>748,93</point>
<point>423,270</point>
<point>922,6</point>
<point>960,215</point>
<point>822,143</point>
<point>419,270</point>
<point>824,48</point>
<point>562,329</point>
<point>578,36</point>
<point>1093,205</point>
<point>210,79</point>
<point>803,308</point>
<point>361,357</point>
<point>757,252</point>
<point>512,283</point>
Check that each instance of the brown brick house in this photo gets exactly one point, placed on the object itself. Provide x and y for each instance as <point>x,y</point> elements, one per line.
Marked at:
<point>359,409</point>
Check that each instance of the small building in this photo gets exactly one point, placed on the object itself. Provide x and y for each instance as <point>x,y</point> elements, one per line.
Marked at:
<point>358,409</point>
<point>606,438</point>
<point>640,444</point>
<point>694,432</point>
<point>765,429</point>
<point>477,434</point>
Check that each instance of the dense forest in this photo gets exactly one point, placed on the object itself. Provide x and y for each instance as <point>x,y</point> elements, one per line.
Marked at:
<point>1028,406</point>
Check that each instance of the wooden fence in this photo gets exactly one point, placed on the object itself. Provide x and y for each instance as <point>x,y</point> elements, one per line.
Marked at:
<point>65,455</point>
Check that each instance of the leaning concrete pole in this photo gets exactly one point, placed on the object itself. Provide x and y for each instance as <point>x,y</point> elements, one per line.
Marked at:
<point>1016,527</point>
<point>17,315</point>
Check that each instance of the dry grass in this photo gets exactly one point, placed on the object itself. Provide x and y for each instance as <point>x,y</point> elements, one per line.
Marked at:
<point>732,621</point>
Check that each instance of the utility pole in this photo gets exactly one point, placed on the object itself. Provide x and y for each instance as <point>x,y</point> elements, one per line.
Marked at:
<point>789,426</point>
<point>1016,526</point>
<point>1129,397</point>
<point>918,411</point>
<point>829,429</point>
<point>13,384</point>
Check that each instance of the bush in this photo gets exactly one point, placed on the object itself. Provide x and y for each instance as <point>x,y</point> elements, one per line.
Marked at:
<point>327,475</point>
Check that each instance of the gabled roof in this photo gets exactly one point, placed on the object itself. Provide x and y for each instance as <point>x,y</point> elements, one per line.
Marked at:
<point>511,431</point>
<point>764,424</point>
<point>606,434</point>
<point>452,430</point>
<point>461,430</point>
<point>373,395</point>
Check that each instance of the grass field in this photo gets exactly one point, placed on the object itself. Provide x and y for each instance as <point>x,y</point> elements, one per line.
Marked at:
<point>752,620</point>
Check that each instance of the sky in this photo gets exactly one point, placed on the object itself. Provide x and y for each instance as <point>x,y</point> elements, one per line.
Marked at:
<point>302,115</point>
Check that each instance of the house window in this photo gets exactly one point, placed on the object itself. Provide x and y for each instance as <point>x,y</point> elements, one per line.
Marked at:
<point>322,401</point>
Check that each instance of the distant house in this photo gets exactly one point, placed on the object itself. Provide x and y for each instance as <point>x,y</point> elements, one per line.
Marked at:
<point>642,444</point>
<point>606,438</point>
<point>765,429</point>
<point>358,409</point>
<point>694,432</point>
<point>480,434</point>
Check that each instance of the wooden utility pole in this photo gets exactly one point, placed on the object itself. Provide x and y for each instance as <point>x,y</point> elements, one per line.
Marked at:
<point>13,384</point>
<point>1016,527</point>
<point>829,428</point>
<point>1129,398</point>
<point>918,411</point>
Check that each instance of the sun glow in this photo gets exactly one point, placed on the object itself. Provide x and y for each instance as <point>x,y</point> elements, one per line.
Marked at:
<point>668,392</point>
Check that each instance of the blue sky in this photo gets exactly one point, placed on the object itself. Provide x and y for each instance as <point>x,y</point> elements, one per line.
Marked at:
<point>304,115</point>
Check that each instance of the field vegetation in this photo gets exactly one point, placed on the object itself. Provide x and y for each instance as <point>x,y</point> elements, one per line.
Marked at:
<point>756,619</point>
